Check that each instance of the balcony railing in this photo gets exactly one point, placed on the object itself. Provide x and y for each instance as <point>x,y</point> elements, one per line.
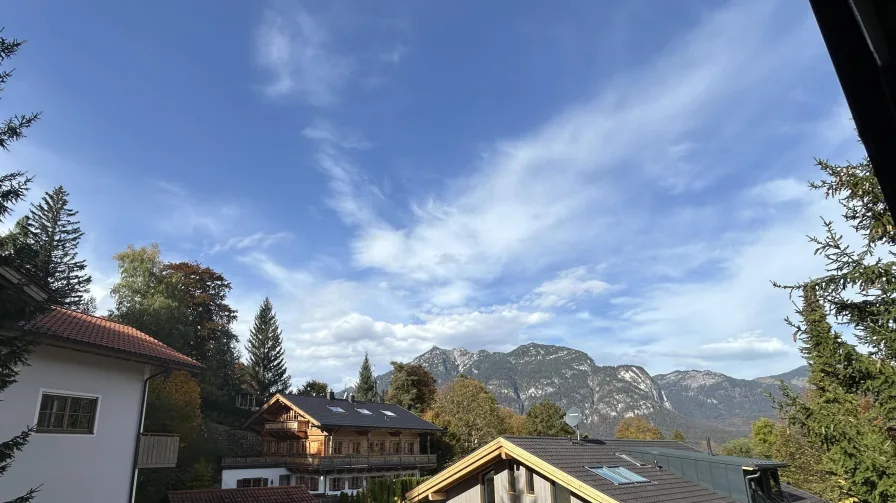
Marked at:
<point>286,425</point>
<point>309,462</point>
<point>158,450</point>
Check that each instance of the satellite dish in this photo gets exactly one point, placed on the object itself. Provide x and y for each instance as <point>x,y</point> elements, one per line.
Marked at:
<point>573,416</point>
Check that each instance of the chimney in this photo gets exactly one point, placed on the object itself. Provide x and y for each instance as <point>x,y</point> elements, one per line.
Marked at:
<point>709,447</point>
<point>351,398</point>
<point>331,395</point>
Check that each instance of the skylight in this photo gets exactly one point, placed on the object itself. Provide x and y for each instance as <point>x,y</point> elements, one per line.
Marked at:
<point>388,412</point>
<point>365,412</point>
<point>336,409</point>
<point>618,475</point>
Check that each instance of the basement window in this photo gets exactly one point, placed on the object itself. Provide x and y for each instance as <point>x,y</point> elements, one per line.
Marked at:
<point>365,412</point>
<point>618,475</point>
<point>336,409</point>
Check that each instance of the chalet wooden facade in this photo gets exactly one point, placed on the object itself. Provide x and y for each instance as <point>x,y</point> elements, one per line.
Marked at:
<point>330,445</point>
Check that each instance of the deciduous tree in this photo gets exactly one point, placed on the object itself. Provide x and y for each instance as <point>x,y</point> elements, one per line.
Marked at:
<point>412,387</point>
<point>313,388</point>
<point>266,370</point>
<point>740,447</point>
<point>678,436</point>
<point>638,428</point>
<point>516,423</point>
<point>365,390</point>
<point>471,415</point>
<point>546,419</point>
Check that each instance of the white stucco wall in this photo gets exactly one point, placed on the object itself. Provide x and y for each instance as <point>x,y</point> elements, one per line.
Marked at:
<point>94,468</point>
<point>230,476</point>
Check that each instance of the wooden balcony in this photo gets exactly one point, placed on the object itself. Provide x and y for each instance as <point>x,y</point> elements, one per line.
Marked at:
<point>312,462</point>
<point>158,450</point>
<point>291,426</point>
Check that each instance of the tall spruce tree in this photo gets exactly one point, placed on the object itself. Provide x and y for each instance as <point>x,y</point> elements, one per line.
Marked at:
<point>850,414</point>
<point>14,351</point>
<point>267,359</point>
<point>366,388</point>
<point>52,238</point>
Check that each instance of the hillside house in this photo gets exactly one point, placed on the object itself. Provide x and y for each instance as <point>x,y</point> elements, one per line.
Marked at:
<point>85,390</point>
<point>561,470</point>
<point>330,445</point>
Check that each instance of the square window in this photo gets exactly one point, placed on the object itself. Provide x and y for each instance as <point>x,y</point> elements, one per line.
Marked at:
<point>66,413</point>
<point>284,480</point>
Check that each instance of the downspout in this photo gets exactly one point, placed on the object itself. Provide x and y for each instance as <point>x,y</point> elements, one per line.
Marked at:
<point>747,480</point>
<point>140,430</point>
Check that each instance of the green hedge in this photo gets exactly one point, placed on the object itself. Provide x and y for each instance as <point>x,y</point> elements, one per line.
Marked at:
<point>384,490</point>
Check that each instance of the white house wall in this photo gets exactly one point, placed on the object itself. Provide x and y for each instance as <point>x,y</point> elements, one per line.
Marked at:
<point>94,468</point>
<point>230,476</point>
<point>469,489</point>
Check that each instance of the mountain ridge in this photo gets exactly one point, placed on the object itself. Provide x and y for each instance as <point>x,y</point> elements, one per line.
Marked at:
<point>698,402</point>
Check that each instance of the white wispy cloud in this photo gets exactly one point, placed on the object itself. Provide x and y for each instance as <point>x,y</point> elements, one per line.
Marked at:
<point>535,200</point>
<point>297,50</point>
<point>566,287</point>
<point>323,131</point>
<point>257,240</point>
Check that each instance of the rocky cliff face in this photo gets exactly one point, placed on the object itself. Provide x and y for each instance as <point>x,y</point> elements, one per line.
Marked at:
<point>797,378</point>
<point>711,397</point>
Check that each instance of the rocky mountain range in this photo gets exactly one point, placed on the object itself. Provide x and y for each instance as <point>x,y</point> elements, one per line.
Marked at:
<point>699,403</point>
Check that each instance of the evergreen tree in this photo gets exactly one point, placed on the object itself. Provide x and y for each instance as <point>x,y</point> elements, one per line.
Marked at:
<point>52,235</point>
<point>850,415</point>
<point>267,359</point>
<point>14,308</point>
<point>365,391</point>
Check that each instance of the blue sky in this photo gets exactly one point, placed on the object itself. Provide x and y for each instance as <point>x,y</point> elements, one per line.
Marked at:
<point>621,177</point>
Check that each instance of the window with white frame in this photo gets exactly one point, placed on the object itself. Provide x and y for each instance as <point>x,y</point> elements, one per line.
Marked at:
<point>356,447</point>
<point>62,413</point>
<point>337,447</point>
<point>409,447</point>
<point>356,482</point>
<point>252,482</point>
<point>396,447</point>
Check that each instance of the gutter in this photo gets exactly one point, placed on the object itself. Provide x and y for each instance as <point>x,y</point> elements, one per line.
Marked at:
<point>140,430</point>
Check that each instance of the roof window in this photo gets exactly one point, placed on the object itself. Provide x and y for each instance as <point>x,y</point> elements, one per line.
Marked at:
<point>618,475</point>
<point>365,412</point>
<point>336,409</point>
<point>388,412</point>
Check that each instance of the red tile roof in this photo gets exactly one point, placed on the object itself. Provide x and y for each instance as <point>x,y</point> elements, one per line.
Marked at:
<point>276,494</point>
<point>72,326</point>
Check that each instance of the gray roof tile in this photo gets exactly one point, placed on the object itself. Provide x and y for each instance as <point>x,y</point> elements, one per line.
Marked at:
<point>318,408</point>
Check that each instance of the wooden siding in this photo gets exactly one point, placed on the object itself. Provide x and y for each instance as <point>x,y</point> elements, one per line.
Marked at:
<point>158,450</point>
<point>468,490</point>
<point>321,443</point>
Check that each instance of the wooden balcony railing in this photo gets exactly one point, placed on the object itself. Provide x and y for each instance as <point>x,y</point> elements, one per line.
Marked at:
<point>312,462</point>
<point>292,425</point>
<point>158,450</point>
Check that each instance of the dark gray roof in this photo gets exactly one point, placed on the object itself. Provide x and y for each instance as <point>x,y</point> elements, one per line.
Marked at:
<point>318,407</point>
<point>572,458</point>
